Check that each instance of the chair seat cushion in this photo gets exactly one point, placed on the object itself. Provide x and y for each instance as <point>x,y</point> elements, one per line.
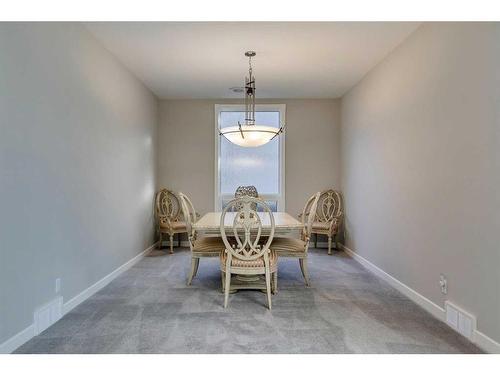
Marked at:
<point>285,244</point>
<point>256,263</point>
<point>208,245</point>
<point>175,225</point>
<point>319,225</point>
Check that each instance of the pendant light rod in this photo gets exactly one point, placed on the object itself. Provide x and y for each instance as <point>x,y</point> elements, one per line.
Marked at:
<point>249,134</point>
<point>250,91</point>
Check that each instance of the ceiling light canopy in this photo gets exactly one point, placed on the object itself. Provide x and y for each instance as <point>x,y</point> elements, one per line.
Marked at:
<point>249,134</point>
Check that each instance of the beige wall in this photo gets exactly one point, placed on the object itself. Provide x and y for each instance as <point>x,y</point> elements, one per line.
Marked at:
<point>420,166</point>
<point>187,149</point>
<point>77,166</point>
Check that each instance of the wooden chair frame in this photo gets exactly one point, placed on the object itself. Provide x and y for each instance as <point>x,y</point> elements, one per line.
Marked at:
<point>203,247</point>
<point>249,249</point>
<point>331,212</point>
<point>293,248</point>
<point>168,218</point>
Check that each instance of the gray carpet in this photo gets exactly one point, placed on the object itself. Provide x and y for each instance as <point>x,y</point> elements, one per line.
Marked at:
<point>149,309</point>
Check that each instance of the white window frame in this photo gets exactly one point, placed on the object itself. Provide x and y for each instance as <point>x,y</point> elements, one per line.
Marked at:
<point>281,108</point>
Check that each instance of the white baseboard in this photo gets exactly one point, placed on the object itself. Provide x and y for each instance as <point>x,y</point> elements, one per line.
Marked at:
<point>91,290</point>
<point>416,297</point>
<point>486,343</point>
<point>480,339</point>
<point>28,333</point>
<point>17,340</point>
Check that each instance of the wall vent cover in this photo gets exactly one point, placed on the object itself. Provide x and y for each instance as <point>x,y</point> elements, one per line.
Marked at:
<point>460,320</point>
<point>47,315</point>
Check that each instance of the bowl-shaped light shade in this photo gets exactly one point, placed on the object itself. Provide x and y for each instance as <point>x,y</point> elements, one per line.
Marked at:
<point>253,135</point>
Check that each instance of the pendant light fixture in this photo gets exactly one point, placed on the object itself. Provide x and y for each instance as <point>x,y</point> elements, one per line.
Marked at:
<point>249,134</point>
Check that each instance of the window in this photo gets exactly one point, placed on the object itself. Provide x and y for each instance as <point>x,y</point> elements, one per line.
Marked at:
<point>261,166</point>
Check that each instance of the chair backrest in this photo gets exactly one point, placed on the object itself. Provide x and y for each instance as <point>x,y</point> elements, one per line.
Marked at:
<point>309,213</point>
<point>330,205</point>
<point>188,211</point>
<point>247,227</point>
<point>250,191</point>
<point>167,204</point>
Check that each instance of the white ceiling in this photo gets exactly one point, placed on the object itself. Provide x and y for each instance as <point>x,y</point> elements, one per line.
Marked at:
<point>294,59</point>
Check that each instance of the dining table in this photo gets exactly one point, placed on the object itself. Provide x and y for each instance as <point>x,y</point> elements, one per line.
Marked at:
<point>285,225</point>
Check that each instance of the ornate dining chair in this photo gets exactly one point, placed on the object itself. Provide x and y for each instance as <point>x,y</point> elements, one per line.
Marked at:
<point>168,216</point>
<point>329,217</point>
<point>297,248</point>
<point>250,191</point>
<point>201,247</point>
<point>248,254</point>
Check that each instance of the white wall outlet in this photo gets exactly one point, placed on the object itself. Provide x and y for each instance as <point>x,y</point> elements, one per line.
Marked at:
<point>443,282</point>
<point>58,285</point>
